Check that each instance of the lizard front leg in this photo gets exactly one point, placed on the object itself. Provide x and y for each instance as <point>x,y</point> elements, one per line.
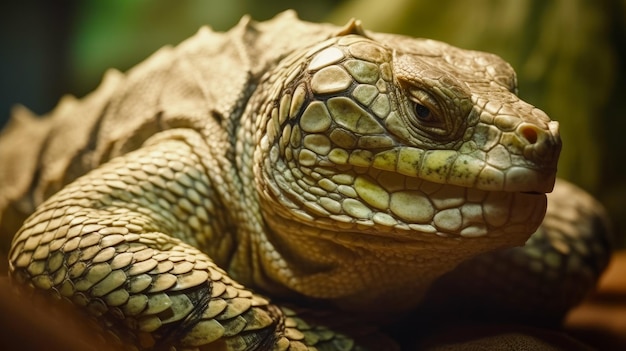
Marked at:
<point>117,243</point>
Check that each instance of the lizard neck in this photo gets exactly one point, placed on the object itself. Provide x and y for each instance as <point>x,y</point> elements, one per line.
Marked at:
<point>354,270</point>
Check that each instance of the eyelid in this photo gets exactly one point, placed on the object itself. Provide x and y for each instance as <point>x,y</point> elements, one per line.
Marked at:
<point>424,98</point>
<point>437,124</point>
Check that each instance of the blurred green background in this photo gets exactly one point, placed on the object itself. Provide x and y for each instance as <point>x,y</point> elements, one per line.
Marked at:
<point>570,56</point>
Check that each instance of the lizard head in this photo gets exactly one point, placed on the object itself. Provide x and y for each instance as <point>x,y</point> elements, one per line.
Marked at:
<point>410,140</point>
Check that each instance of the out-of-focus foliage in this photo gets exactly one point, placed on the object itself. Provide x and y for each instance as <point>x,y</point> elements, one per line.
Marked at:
<point>120,33</point>
<point>49,48</point>
<point>570,56</point>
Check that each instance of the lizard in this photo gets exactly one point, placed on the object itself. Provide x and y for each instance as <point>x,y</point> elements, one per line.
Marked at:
<point>286,161</point>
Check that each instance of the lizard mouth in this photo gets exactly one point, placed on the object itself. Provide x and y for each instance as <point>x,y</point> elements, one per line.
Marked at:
<point>388,197</point>
<point>445,209</point>
<point>464,170</point>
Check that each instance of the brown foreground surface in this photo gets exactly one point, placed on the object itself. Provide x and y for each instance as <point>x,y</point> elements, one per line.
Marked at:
<point>601,320</point>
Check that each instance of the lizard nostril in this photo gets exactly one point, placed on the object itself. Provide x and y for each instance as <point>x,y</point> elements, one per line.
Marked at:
<point>530,133</point>
<point>542,144</point>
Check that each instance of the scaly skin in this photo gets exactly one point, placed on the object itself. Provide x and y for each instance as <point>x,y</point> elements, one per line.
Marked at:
<point>355,169</point>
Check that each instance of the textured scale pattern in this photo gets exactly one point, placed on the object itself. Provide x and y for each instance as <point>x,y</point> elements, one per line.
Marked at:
<point>115,263</point>
<point>353,178</point>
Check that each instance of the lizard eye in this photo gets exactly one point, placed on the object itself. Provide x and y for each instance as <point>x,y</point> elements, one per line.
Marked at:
<point>425,108</point>
<point>422,112</point>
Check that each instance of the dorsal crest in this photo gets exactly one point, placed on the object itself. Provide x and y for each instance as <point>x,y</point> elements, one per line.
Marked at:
<point>353,26</point>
